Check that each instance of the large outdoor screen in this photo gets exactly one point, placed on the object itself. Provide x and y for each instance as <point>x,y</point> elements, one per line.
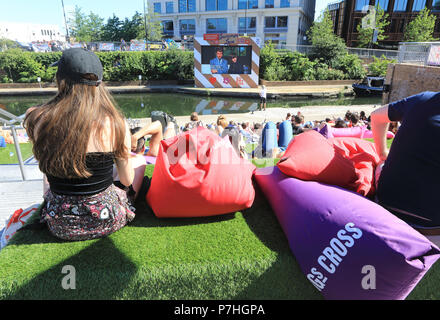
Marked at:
<point>226,59</point>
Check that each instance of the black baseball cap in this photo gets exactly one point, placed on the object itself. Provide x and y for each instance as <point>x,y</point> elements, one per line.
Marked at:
<point>76,62</point>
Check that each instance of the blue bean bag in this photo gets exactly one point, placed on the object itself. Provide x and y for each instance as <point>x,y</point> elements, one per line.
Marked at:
<point>2,142</point>
<point>347,246</point>
<point>269,138</point>
<point>286,134</point>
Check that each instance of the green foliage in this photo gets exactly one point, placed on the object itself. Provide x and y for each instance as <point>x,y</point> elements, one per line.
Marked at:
<point>154,27</point>
<point>378,19</point>
<point>323,72</point>
<point>327,46</point>
<point>295,66</point>
<point>6,44</point>
<point>350,65</point>
<point>111,31</point>
<point>269,58</point>
<point>378,68</point>
<point>421,29</point>
<point>84,27</point>
<point>19,66</point>
<point>299,66</point>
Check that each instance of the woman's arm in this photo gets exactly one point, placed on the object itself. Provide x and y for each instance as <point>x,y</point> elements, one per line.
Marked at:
<point>124,165</point>
<point>379,126</point>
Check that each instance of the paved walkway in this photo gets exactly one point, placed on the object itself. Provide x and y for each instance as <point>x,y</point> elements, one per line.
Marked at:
<point>18,194</point>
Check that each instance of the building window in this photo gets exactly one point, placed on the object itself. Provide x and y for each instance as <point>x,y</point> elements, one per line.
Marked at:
<point>216,5</point>
<point>269,4</point>
<point>157,7</point>
<point>187,26</point>
<point>251,4</point>
<point>418,5</point>
<point>436,5</point>
<point>168,27</point>
<point>360,4</point>
<point>393,26</point>
<point>247,24</point>
<point>275,23</point>
<point>400,5</point>
<point>284,3</point>
<point>219,25</point>
<point>355,25</point>
<point>187,5</point>
<point>281,22</point>
<point>269,22</point>
<point>169,7</point>
<point>383,4</point>
<point>402,26</point>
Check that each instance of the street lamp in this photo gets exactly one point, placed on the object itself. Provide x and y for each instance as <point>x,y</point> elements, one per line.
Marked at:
<point>145,25</point>
<point>65,21</point>
<point>245,18</point>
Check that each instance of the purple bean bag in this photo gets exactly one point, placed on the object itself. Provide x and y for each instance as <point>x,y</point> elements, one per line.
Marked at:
<point>348,246</point>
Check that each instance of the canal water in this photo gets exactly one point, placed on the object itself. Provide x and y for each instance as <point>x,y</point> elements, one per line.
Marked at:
<point>141,105</point>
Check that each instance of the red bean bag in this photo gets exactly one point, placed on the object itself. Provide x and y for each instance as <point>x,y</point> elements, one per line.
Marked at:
<point>310,156</point>
<point>364,157</point>
<point>197,173</point>
<point>345,162</point>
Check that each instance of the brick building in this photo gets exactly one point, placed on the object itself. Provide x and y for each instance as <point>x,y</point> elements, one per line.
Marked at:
<point>347,15</point>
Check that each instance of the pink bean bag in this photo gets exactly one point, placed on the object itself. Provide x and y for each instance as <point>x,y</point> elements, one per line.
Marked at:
<point>356,132</point>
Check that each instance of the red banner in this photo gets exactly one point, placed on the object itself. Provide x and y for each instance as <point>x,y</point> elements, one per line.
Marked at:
<point>210,37</point>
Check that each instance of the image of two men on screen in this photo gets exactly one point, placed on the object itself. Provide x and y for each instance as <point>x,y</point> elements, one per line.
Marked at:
<point>229,60</point>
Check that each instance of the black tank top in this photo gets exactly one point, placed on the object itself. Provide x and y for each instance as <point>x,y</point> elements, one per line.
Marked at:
<point>99,164</point>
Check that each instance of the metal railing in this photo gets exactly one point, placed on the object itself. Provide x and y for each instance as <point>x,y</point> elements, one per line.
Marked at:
<point>415,52</point>
<point>361,52</point>
<point>11,124</point>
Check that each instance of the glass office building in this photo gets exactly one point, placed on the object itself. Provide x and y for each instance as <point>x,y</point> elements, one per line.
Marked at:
<point>284,22</point>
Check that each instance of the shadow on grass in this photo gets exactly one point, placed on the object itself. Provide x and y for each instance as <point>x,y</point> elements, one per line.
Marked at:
<point>284,279</point>
<point>145,218</point>
<point>101,271</point>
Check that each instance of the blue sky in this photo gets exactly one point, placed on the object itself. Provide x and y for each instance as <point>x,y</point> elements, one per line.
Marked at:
<point>320,6</point>
<point>50,11</point>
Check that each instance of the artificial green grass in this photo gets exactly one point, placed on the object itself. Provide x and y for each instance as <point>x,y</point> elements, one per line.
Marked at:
<point>5,153</point>
<point>242,255</point>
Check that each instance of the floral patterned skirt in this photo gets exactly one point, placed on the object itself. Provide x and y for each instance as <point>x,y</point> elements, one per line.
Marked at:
<point>87,217</point>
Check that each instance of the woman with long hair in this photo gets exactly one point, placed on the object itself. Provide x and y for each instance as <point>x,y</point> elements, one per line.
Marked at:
<point>77,137</point>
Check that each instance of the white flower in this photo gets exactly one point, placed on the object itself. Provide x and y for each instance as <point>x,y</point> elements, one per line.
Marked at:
<point>105,213</point>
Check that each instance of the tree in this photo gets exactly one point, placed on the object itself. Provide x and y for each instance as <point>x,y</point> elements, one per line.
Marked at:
<point>376,20</point>
<point>111,31</point>
<point>84,27</point>
<point>153,30</point>
<point>327,46</point>
<point>421,29</point>
<point>131,28</point>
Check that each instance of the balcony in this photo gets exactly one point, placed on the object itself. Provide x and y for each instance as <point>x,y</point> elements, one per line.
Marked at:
<point>187,32</point>
<point>275,30</point>
<point>168,33</point>
<point>247,30</point>
<point>217,31</point>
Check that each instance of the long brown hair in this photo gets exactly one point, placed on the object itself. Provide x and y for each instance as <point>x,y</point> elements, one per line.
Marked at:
<point>65,124</point>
